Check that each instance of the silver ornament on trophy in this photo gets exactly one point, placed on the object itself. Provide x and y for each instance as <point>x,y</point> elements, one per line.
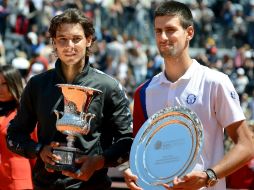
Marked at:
<point>73,122</point>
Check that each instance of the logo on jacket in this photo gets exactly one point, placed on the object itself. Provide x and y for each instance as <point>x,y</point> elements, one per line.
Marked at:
<point>191,99</point>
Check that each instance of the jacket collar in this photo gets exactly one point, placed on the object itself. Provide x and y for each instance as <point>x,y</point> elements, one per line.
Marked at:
<point>78,77</point>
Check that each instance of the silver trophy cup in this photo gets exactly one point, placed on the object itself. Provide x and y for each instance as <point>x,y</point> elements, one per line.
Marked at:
<point>73,122</point>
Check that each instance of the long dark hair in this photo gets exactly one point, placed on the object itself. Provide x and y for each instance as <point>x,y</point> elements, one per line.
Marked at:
<point>14,81</point>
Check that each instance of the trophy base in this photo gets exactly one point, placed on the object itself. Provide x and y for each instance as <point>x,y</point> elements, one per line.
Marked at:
<point>67,162</point>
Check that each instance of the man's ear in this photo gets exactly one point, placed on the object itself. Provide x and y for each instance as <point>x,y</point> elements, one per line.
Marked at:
<point>89,41</point>
<point>53,42</point>
<point>190,32</point>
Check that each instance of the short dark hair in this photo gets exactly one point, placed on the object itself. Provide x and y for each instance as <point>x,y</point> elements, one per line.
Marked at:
<point>69,16</point>
<point>174,8</point>
<point>14,81</point>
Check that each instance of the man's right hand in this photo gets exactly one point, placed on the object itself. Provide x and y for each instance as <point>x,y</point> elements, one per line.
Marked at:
<point>130,180</point>
<point>48,157</point>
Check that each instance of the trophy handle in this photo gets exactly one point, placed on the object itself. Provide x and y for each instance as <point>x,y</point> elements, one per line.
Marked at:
<point>90,117</point>
<point>58,114</point>
<point>86,117</point>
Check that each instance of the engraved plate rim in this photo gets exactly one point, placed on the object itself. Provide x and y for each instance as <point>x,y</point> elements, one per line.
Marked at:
<point>137,149</point>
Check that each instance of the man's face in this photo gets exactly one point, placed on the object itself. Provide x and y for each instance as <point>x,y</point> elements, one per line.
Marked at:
<point>70,43</point>
<point>171,38</point>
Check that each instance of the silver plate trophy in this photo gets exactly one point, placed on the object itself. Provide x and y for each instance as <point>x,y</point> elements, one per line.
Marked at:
<point>73,122</point>
<point>167,145</point>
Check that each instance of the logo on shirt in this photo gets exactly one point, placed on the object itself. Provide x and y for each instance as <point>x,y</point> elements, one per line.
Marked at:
<point>233,94</point>
<point>191,99</point>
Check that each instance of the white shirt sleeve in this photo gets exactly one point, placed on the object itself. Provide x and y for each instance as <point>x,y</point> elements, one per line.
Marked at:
<point>227,103</point>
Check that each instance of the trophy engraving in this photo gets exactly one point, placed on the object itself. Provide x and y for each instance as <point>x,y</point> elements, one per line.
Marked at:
<point>73,122</point>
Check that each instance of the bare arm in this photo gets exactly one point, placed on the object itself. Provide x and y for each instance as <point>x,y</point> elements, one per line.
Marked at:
<point>242,151</point>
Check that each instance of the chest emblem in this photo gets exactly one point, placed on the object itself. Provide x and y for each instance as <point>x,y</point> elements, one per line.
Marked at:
<point>191,99</point>
<point>233,95</point>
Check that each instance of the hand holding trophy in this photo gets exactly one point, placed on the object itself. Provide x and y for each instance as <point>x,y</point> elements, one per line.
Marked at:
<point>73,122</point>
